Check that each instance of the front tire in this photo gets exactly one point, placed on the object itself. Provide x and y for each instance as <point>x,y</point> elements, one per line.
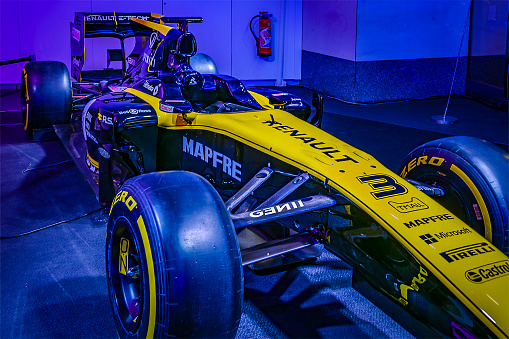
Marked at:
<point>46,95</point>
<point>474,175</point>
<point>173,261</point>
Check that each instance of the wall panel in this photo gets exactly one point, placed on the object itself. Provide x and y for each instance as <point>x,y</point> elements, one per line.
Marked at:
<point>409,29</point>
<point>214,34</point>
<point>330,27</point>
<point>41,27</point>
<point>9,40</point>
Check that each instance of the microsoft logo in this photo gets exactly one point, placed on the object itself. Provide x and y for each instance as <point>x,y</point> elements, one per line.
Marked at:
<point>428,238</point>
<point>432,238</point>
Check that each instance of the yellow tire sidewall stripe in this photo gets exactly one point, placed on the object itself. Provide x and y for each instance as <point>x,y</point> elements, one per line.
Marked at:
<point>480,201</point>
<point>25,75</point>
<point>92,161</point>
<point>151,278</point>
<point>26,119</point>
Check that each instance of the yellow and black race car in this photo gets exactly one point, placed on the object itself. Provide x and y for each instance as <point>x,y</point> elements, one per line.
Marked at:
<point>203,176</point>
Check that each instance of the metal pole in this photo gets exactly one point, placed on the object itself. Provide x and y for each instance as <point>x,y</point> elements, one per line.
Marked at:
<point>445,120</point>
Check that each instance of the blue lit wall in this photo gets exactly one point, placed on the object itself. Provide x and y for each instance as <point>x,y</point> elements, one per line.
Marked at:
<point>41,27</point>
<point>384,49</point>
<point>358,50</point>
<point>226,37</point>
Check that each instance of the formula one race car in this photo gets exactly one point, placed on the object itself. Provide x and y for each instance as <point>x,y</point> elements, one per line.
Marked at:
<point>203,176</point>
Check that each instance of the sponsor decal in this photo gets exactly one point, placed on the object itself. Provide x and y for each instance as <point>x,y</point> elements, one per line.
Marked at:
<point>277,209</point>
<point>414,286</point>
<point>383,186</point>
<point>477,211</point>
<point>149,60</point>
<point>105,119</point>
<point>135,111</point>
<point>124,256</point>
<point>175,100</point>
<point>488,272</point>
<point>435,161</point>
<point>464,252</point>
<point>207,154</point>
<point>286,96</point>
<point>154,38</point>
<point>430,239</point>
<point>104,153</point>
<point>123,99</point>
<point>443,235</point>
<point>86,118</point>
<point>131,60</point>
<point>96,17</point>
<point>117,88</point>
<point>166,108</point>
<point>152,88</point>
<point>76,34</point>
<point>409,206</point>
<point>427,220</point>
<point>312,142</point>
<point>124,197</point>
<point>90,136</point>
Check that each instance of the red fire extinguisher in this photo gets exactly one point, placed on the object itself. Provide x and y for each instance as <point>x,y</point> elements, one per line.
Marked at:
<point>264,39</point>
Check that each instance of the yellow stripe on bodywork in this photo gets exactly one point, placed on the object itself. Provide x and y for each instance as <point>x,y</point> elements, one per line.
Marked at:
<point>158,16</point>
<point>151,278</point>
<point>261,99</point>
<point>164,119</point>
<point>155,26</point>
<point>480,200</point>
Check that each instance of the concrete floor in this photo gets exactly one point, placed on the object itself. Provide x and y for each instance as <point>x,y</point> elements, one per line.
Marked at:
<point>52,282</point>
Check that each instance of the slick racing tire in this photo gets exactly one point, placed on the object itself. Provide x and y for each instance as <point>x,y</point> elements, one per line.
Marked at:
<point>475,177</point>
<point>46,95</point>
<point>172,259</point>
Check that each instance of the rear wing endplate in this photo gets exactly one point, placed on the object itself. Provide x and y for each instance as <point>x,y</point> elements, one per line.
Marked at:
<point>96,25</point>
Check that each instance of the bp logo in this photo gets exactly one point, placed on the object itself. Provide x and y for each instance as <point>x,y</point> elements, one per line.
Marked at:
<point>488,272</point>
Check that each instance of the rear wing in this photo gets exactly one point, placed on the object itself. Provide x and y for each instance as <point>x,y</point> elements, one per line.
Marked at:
<point>114,25</point>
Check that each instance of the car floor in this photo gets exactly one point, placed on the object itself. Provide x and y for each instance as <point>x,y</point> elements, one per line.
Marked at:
<point>53,283</point>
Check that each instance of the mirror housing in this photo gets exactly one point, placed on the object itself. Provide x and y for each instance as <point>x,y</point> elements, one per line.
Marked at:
<point>279,100</point>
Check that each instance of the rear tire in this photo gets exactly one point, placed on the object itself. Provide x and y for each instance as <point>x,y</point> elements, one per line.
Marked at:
<point>46,95</point>
<point>173,261</point>
<point>475,176</point>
